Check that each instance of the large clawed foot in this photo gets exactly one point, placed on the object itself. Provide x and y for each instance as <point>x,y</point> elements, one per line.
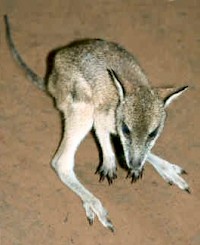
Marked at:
<point>109,174</point>
<point>135,174</point>
<point>169,172</point>
<point>94,208</point>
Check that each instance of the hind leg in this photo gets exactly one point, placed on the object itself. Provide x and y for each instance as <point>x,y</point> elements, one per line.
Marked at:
<point>78,122</point>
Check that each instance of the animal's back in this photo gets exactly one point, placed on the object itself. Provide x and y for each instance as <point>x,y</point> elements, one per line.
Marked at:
<point>88,61</point>
<point>92,58</point>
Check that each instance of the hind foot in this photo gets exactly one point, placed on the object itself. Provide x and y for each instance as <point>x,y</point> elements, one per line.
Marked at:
<point>169,172</point>
<point>93,207</point>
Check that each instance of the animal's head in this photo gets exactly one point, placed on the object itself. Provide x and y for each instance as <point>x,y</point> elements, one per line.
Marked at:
<point>140,118</point>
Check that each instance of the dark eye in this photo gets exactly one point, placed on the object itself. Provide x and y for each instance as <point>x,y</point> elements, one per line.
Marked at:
<point>153,133</point>
<point>125,130</point>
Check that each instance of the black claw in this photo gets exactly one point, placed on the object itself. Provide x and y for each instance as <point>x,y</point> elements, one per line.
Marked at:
<point>110,181</point>
<point>91,221</point>
<point>184,172</point>
<point>188,190</point>
<point>133,180</point>
<point>170,182</point>
<point>104,175</point>
<point>110,226</point>
<point>133,176</point>
<point>141,173</point>
<point>112,229</point>
<point>114,176</point>
<point>130,174</point>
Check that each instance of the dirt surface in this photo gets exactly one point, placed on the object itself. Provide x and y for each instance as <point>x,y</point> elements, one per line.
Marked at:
<point>36,208</point>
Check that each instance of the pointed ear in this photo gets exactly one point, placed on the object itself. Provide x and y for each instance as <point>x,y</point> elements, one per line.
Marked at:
<point>170,94</point>
<point>117,83</point>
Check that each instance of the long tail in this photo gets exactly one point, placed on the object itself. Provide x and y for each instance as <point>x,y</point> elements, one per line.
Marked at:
<point>37,80</point>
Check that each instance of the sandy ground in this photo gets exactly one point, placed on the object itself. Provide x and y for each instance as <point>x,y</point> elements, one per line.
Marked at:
<point>36,208</point>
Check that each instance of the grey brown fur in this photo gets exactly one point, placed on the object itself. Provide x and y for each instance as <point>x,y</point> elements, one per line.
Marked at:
<point>98,84</point>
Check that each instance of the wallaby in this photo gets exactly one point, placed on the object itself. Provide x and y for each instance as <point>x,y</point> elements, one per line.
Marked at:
<point>98,84</point>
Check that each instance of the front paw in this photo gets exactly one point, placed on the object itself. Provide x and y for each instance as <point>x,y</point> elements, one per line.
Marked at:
<point>135,174</point>
<point>109,173</point>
